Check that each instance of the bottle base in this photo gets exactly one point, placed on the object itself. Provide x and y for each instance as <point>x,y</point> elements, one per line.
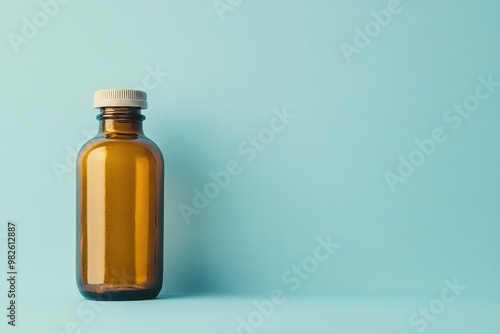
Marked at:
<point>121,295</point>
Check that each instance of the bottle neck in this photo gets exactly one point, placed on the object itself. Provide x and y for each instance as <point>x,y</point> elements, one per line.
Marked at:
<point>116,121</point>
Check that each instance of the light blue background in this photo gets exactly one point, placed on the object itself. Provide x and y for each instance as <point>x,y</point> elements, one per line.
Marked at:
<point>323,175</point>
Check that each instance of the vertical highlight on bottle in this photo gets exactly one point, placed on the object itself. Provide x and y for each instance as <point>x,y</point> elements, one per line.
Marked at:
<point>12,273</point>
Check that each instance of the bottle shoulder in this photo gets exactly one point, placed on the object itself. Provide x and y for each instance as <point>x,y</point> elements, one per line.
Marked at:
<point>133,146</point>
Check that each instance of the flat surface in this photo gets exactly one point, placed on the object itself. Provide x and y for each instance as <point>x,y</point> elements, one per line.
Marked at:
<point>218,314</point>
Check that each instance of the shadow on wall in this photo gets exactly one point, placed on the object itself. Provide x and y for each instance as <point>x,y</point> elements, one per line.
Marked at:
<point>185,168</point>
<point>243,240</point>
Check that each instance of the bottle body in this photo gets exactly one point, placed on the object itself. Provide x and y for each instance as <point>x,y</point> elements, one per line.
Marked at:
<point>120,212</point>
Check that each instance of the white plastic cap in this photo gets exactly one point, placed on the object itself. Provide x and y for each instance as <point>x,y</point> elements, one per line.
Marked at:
<point>120,98</point>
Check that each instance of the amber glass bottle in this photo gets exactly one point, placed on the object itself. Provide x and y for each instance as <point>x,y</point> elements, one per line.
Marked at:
<point>120,204</point>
